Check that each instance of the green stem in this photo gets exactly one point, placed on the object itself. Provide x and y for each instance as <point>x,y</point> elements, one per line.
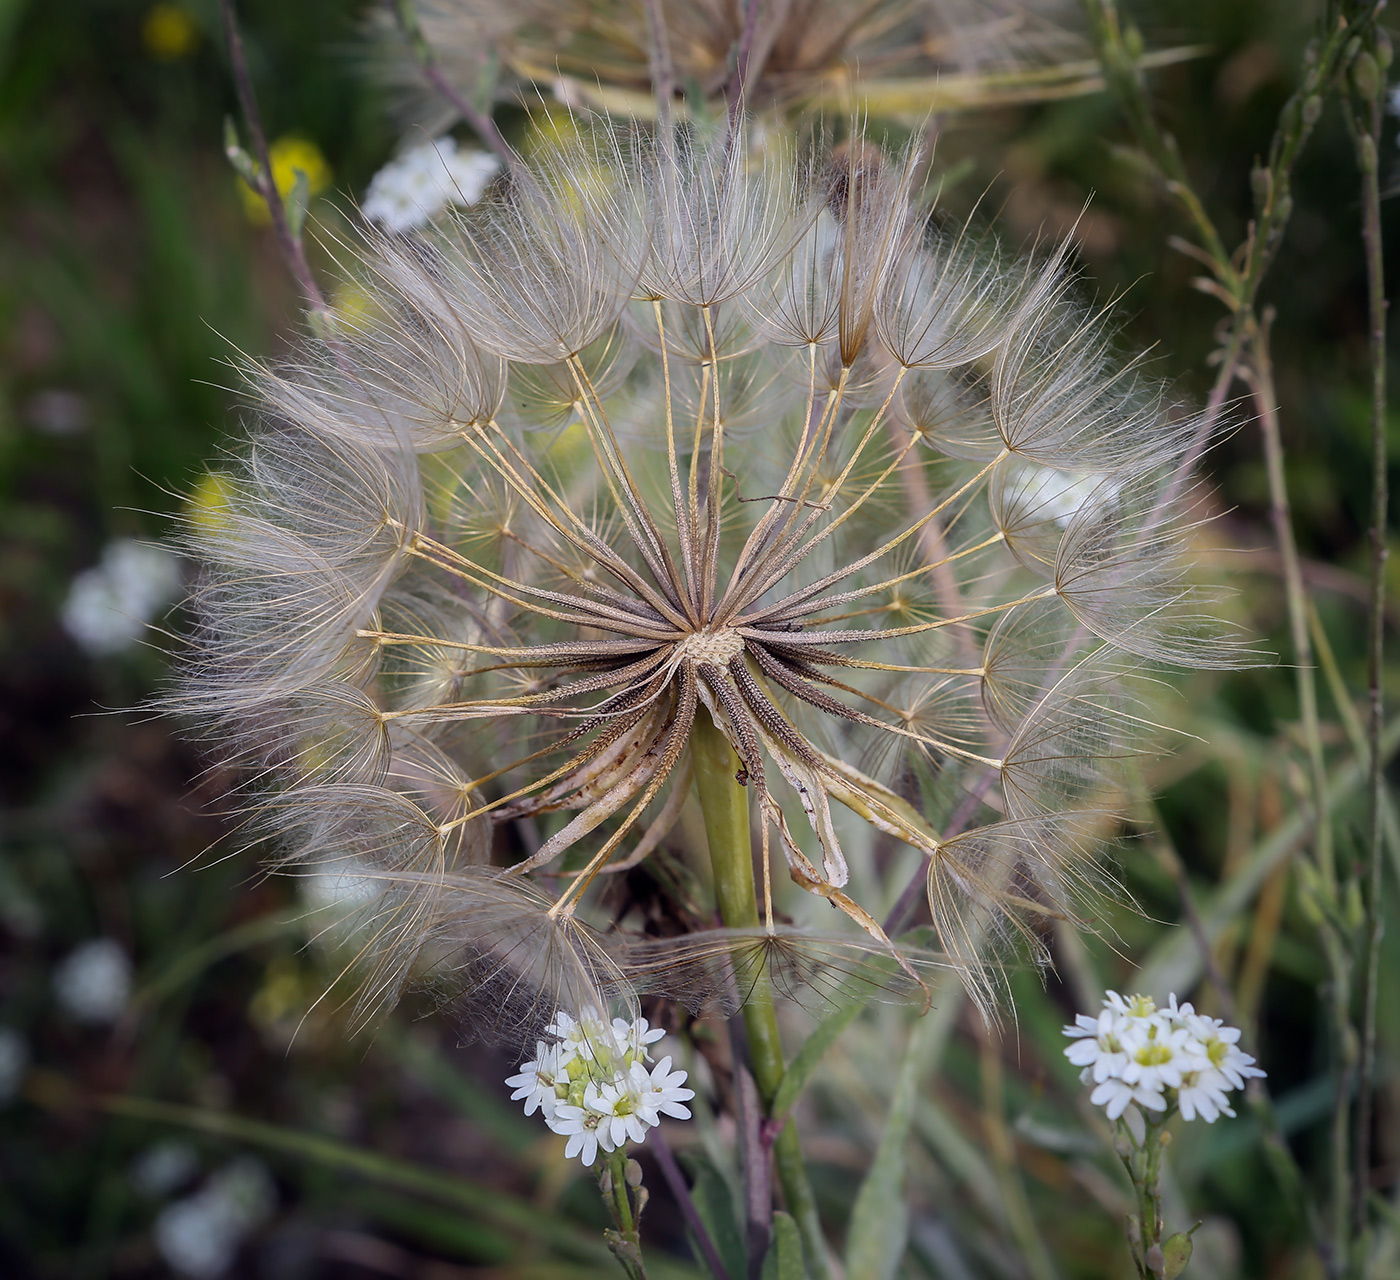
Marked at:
<point>1369,79</point>
<point>1261,377</point>
<point>626,1242</point>
<point>725,805</point>
<point>1326,887</point>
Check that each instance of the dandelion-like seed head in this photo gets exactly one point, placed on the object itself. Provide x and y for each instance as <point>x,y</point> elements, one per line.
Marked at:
<point>682,431</point>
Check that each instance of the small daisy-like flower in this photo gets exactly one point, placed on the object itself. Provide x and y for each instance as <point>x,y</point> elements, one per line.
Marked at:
<point>1156,1053</point>
<point>665,1092</point>
<point>1097,1048</point>
<point>635,1037</point>
<point>1160,1058</point>
<point>592,1086</point>
<point>619,1102</point>
<point>1115,1093</point>
<point>584,1129</point>
<point>536,1081</point>
<point>588,1037</point>
<point>1204,1094</point>
<point>109,605</point>
<point>1218,1046</point>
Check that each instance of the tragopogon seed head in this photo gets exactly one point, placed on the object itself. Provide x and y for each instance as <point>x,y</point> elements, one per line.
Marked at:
<point>657,433</point>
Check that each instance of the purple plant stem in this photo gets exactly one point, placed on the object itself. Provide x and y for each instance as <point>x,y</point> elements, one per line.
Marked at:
<point>481,123</point>
<point>754,1145</point>
<point>290,245</point>
<point>675,1181</point>
<point>739,81</point>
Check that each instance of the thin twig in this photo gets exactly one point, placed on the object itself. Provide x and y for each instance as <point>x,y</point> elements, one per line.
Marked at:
<point>675,1180</point>
<point>1369,80</point>
<point>1323,887</point>
<point>1327,61</point>
<point>406,15</point>
<point>663,72</point>
<point>1260,376</point>
<point>738,89</point>
<point>1280,1157</point>
<point>290,245</point>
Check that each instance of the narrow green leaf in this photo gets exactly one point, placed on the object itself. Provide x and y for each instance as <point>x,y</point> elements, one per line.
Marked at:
<point>494,1207</point>
<point>715,1203</point>
<point>784,1260</point>
<point>243,164</point>
<point>879,1225</point>
<point>297,201</point>
<point>800,1069</point>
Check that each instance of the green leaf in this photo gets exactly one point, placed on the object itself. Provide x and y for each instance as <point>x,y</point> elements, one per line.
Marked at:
<point>500,1209</point>
<point>297,201</point>
<point>243,164</point>
<point>800,1069</point>
<point>784,1260</point>
<point>879,1225</point>
<point>715,1203</point>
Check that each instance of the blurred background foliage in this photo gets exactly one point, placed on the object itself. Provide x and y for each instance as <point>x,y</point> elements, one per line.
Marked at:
<point>132,277</point>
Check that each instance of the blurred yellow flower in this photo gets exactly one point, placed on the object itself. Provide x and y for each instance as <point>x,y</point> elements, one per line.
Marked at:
<point>167,33</point>
<point>288,154</point>
<point>209,503</point>
<point>354,308</point>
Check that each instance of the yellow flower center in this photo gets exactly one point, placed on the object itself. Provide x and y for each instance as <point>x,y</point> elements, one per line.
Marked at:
<point>1153,1055</point>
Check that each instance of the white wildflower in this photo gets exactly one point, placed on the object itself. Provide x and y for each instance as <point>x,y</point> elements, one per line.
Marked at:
<point>618,1101</point>
<point>1099,1051</point>
<point>1160,1059</point>
<point>636,1036</point>
<point>110,604</point>
<point>1204,1094</point>
<point>418,184</point>
<point>1218,1047</point>
<point>1157,1053</point>
<point>200,1235</point>
<point>592,1085</point>
<point>535,1084</point>
<point>666,1093</point>
<point>163,1167</point>
<point>581,1127</point>
<point>94,983</point>
<point>1114,1095</point>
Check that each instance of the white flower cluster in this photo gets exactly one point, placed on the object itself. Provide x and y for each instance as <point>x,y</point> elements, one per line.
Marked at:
<point>93,983</point>
<point>109,605</point>
<point>1134,1052</point>
<point>200,1235</point>
<point>593,1087</point>
<point>417,185</point>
